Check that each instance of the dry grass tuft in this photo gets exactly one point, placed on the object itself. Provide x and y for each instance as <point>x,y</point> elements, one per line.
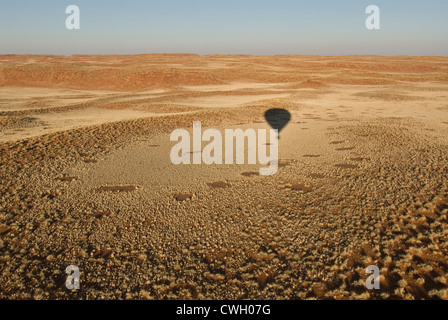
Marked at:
<point>67,179</point>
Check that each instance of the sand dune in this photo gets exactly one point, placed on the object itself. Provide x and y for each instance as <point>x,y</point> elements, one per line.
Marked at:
<point>87,178</point>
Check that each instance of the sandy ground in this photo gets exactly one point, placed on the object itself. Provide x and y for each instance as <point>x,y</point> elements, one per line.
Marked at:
<point>87,178</point>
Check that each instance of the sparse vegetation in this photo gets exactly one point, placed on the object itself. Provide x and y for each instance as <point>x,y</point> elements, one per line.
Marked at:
<point>361,185</point>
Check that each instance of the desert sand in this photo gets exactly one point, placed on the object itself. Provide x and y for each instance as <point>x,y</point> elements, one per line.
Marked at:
<point>86,178</point>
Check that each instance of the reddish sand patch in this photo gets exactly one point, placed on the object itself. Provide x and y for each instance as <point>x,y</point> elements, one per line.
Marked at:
<point>67,179</point>
<point>218,184</point>
<point>250,173</point>
<point>183,196</point>
<point>100,214</point>
<point>300,187</point>
<point>359,159</point>
<point>117,188</point>
<point>311,155</point>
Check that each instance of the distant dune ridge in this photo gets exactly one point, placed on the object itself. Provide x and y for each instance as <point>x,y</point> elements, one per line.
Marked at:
<point>137,72</point>
<point>87,178</point>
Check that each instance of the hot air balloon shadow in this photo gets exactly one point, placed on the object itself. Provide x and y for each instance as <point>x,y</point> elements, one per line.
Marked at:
<point>277,118</point>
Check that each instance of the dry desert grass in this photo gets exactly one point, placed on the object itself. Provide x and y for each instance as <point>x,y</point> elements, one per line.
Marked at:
<point>87,179</point>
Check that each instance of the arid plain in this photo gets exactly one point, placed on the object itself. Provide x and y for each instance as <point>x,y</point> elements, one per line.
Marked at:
<point>86,178</point>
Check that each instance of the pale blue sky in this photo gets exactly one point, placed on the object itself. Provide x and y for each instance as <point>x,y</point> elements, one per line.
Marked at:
<point>325,27</point>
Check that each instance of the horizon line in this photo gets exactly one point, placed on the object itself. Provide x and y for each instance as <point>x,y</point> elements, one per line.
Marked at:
<point>215,54</point>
